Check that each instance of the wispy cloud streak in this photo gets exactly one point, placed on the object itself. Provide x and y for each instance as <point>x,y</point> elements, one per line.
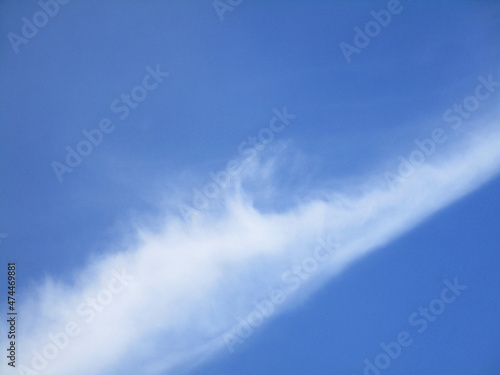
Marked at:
<point>189,282</point>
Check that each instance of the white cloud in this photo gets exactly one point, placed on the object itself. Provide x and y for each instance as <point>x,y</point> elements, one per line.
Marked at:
<point>191,281</point>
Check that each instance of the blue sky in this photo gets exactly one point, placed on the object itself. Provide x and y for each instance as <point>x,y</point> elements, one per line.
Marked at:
<point>324,174</point>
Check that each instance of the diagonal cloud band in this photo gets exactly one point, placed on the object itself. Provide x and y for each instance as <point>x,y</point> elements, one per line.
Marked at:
<point>169,299</point>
